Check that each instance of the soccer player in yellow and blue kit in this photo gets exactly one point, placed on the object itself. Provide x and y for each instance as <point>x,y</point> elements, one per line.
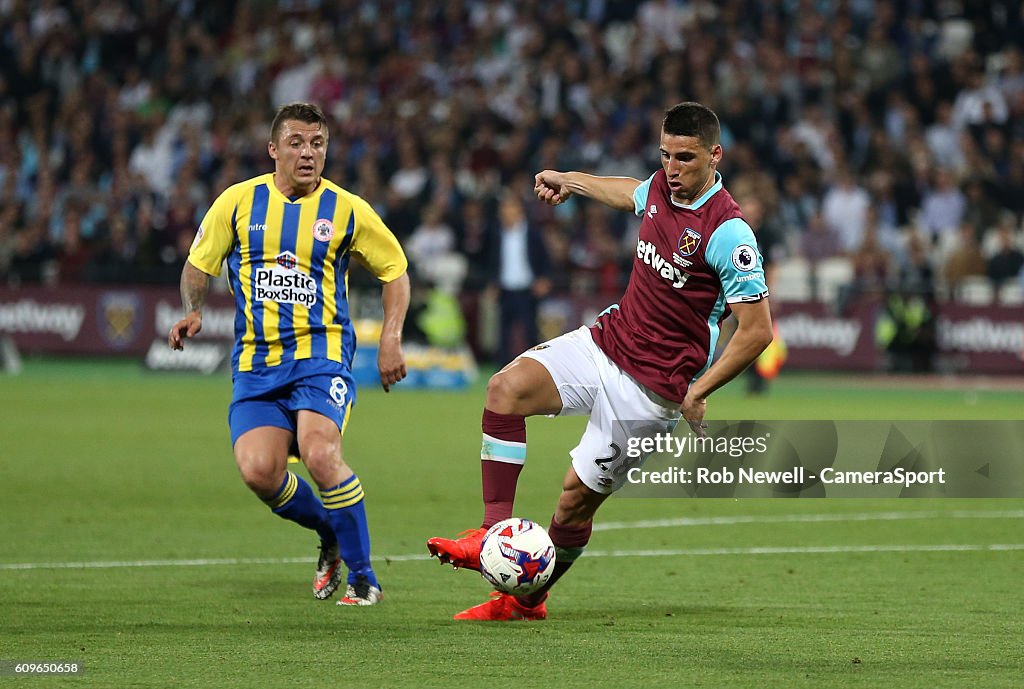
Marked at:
<point>288,237</point>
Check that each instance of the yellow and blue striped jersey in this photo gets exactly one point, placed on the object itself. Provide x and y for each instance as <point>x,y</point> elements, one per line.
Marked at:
<point>288,267</point>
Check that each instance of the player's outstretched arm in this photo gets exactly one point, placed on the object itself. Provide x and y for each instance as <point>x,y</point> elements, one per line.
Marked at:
<point>195,285</point>
<point>554,187</point>
<point>753,334</point>
<point>390,360</point>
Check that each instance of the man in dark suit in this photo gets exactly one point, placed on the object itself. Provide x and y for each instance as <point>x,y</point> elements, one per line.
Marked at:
<point>519,266</point>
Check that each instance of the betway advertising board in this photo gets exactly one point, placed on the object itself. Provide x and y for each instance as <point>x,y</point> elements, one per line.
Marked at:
<point>968,339</point>
<point>95,320</point>
<point>988,339</point>
<point>816,338</point>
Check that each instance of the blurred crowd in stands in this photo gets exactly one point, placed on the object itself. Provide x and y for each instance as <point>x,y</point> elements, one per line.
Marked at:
<point>886,138</point>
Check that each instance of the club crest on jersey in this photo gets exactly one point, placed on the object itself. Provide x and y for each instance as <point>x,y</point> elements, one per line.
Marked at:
<point>323,230</point>
<point>689,240</point>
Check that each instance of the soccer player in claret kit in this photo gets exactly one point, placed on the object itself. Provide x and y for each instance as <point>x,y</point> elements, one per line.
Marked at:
<point>288,237</point>
<point>646,361</point>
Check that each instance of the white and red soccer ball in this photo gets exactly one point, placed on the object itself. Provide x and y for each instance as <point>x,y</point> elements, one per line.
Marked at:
<point>517,556</point>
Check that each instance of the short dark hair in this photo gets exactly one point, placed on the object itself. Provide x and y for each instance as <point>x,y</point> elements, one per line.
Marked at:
<point>310,113</point>
<point>693,119</point>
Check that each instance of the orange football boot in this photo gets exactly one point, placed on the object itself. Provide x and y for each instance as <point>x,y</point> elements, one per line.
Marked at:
<point>461,552</point>
<point>503,607</point>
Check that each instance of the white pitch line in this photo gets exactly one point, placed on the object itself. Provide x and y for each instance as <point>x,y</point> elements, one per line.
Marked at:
<point>688,552</point>
<point>812,550</point>
<point>195,562</point>
<point>612,526</point>
<point>809,518</point>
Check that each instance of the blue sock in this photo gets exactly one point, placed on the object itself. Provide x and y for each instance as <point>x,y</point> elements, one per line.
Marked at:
<point>346,514</point>
<point>295,501</point>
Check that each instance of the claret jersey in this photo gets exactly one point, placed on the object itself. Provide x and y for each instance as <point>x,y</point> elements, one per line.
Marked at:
<point>691,262</point>
<point>288,267</point>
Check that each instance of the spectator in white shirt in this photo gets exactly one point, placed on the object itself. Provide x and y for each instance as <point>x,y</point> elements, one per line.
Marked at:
<point>845,209</point>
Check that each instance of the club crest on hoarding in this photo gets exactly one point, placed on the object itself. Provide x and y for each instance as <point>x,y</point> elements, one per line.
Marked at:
<point>118,316</point>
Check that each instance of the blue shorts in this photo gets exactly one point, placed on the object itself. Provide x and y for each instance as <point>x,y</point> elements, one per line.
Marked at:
<point>273,396</point>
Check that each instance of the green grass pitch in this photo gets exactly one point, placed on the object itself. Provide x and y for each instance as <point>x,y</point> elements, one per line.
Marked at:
<point>130,475</point>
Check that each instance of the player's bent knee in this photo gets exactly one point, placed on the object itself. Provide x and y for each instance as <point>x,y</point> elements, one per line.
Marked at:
<point>262,475</point>
<point>501,393</point>
<point>523,388</point>
<point>320,458</point>
<point>325,464</point>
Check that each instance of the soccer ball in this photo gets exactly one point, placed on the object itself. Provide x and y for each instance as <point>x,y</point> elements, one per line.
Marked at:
<point>517,556</point>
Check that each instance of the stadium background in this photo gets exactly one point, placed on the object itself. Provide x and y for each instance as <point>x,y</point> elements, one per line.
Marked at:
<point>878,149</point>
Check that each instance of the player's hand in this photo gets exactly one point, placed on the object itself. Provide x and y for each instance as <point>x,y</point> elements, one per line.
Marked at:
<point>693,409</point>
<point>390,363</point>
<point>550,187</point>
<point>187,327</point>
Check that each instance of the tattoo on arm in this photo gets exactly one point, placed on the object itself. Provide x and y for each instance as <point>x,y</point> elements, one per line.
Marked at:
<point>195,285</point>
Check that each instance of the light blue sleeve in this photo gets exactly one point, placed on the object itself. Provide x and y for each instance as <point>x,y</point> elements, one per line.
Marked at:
<point>640,195</point>
<point>732,252</point>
